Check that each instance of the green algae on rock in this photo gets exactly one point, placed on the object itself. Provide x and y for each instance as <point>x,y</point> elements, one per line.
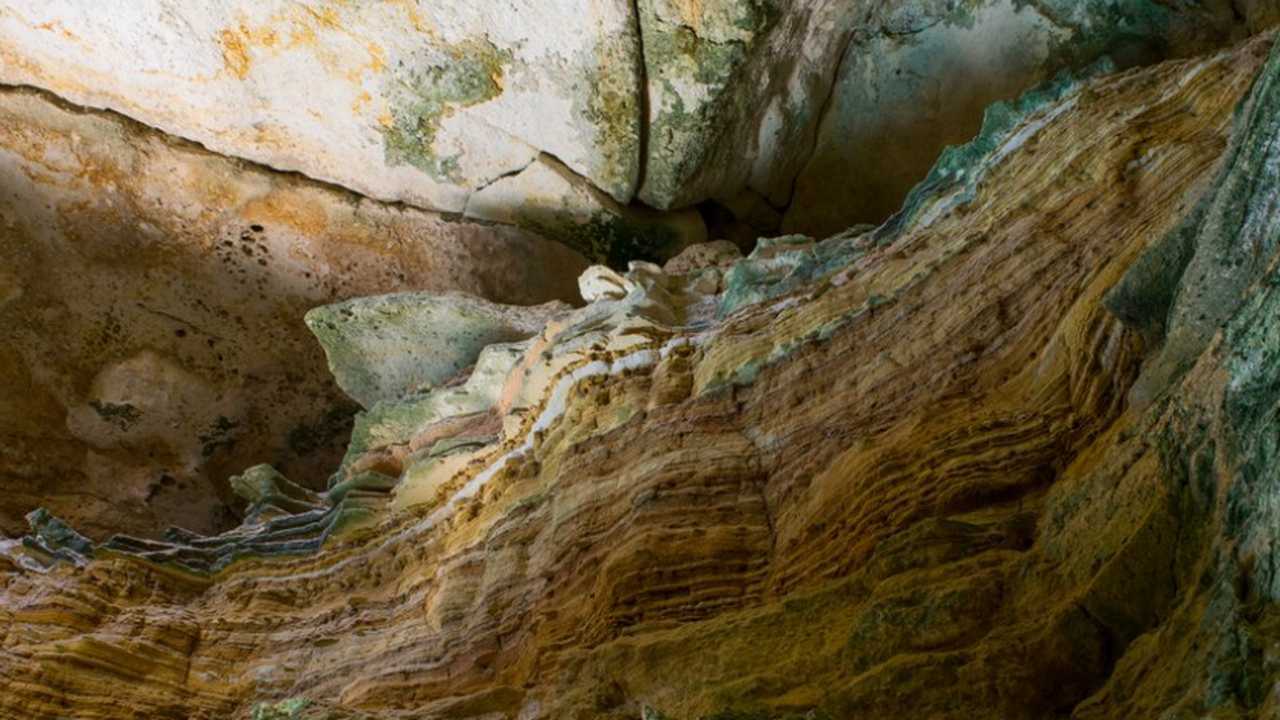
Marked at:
<point>1211,395</point>
<point>389,346</point>
<point>1225,247</point>
<point>693,54</point>
<point>433,88</point>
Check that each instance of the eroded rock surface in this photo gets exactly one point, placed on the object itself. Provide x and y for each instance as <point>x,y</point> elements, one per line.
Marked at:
<point>151,298</point>
<point>420,102</point>
<point>808,117</point>
<point>890,473</point>
<point>390,346</point>
<point>921,83</point>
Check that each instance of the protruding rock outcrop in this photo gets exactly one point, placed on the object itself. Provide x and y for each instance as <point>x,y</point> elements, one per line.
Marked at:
<point>151,298</point>
<point>891,473</point>
<point>386,347</point>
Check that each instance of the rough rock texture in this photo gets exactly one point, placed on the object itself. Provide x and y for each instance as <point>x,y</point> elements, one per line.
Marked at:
<point>893,473</point>
<point>921,83</point>
<point>151,299</point>
<point>386,347</point>
<point>415,101</point>
<point>834,107</point>
<point>427,103</point>
<point>830,111</point>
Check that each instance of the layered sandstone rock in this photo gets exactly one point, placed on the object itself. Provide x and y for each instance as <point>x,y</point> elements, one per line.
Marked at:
<point>1010,454</point>
<point>151,299</point>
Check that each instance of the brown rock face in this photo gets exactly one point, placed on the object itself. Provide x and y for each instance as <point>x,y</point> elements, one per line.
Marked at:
<point>151,298</point>
<point>894,473</point>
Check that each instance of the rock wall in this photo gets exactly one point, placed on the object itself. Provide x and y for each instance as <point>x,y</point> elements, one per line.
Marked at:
<point>1008,455</point>
<point>814,115</point>
<point>151,304</point>
<point>918,78</point>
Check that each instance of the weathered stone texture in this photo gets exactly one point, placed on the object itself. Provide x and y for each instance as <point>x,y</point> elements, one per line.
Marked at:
<point>807,117</point>
<point>892,473</point>
<point>150,328</point>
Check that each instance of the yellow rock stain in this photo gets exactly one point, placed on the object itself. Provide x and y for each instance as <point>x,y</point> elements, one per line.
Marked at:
<point>235,50</point>
<point>301,27</point>
<point>58,28</point>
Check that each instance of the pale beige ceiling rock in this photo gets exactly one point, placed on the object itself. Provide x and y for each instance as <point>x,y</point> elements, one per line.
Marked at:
<point>421,102</point>
<point>826,112</point>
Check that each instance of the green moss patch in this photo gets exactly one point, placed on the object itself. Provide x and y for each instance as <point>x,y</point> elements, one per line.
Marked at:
<point>455,76</point>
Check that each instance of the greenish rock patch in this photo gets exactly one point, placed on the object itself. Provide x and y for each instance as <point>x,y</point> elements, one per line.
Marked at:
<point>386,347</point>
<point>122,415</point>
<point>954,178</point>
<point>690,63</point>
<point>1201,271</point>
<point>266,490</point>
<point>53,539</point>
<point>283,710</point>
<point>395,421</point>
<point>609,100</point>
<point>430,90</point>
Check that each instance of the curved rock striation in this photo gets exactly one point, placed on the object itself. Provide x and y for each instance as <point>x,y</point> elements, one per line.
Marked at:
<point>892,473</point>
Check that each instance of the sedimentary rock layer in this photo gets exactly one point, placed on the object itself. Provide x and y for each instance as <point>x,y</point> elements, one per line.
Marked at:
<point>894,473</point>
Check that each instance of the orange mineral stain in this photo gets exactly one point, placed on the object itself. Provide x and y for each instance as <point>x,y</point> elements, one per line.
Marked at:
<point>235,50</point>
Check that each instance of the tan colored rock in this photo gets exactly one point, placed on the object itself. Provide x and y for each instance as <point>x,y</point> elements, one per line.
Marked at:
<point>151,297</point>
<point>902,483</point>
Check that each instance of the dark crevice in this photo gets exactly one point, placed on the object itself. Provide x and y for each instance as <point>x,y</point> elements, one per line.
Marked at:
<point>824,110</point>
<point>352,197</point>
<point>642,102</point>
<point>500,177</point>
<point>723,224</point>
